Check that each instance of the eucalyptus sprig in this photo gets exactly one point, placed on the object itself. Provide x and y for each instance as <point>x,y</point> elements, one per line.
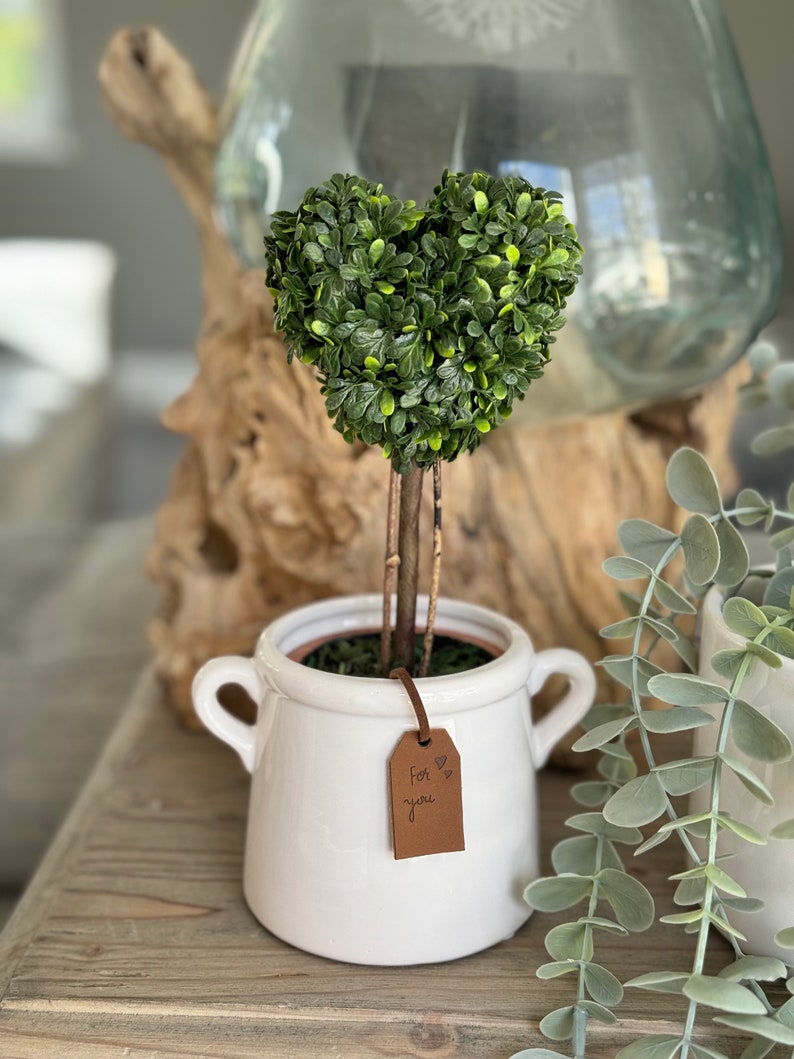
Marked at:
<point>713,553</point>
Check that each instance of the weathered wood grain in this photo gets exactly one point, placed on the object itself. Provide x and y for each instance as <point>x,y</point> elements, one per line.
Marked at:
<point>134,940</point>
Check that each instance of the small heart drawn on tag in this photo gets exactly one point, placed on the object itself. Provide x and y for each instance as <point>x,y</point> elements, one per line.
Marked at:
<point>441,761</point>
<point>447,773</point>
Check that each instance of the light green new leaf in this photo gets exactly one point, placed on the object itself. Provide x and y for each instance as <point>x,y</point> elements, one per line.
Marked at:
<point>755,969</point>
<point>744,904</point>
<point>555,893</point>
<point>598,1011</point>
<point>750,498</point>
<point>725,996</point>
<point>785,938</point>
<point>555,970</point>
<point>783,830</point>
<point>701,549</point>
<point>595,824</point>
<point>591,792</point>
<point>743,617</point>
<point>691,482</point>
<point>781,640</point>
<point>671,598</point>
<point>639,802</point>
<point>624,568</point>
<point>749,834</point>
<point>622,668</point>
<point>660,981</point>
<point>690,891</point>
<point>769,658</point>
<point>753,783</point>
<point>598,923</point>
<point>538,1053</point>
<point>782,538</point>
<point>645,541</point>
<point>721,923</point>
<point>650,843</point>
<point>734,557</point>
<point>558,1025</point>
<point>759,1024</point>
<point>678,719</point>
<point>778,591</point>
<point>569,941</point>
<point>684,689</point>
<point>758,736</point>
<point>630,901</point>
<point>684,918</point>
<point>655,1046</point>
<point>620,629</point>
<point>602,985</point>
<point>685,776</point>
<point>604,733</point>
<point>723,881</point>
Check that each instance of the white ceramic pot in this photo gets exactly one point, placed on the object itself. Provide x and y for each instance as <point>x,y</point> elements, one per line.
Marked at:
<point>764,871</point>
<point>320,870</point>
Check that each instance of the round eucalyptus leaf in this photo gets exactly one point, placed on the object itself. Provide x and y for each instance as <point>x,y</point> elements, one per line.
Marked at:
<point>762,356</point>
<point>734,557</point>
<point>783,538</point>
<point>659,982</point>
<point>783,830</point>
<point>630,900</point>
<point>591,792</point>
<point>773,441</point>
<point>671,598</point>
<point>760,508</point>
<point>595,824</point>
<point>701,547</point>
<point>690,891</point>
<point>685,776</point>
<point>679,719</point>
<point>626,668</point>
<point>646,541</point>
<point>749,834</point>
<point>691,482</point>
<point>760,1025</point>
<point>723,995</point>
<point>767,656</point>
<point>781,641</point>
<point>785,938</point>
<point>654,1046</point>
<point>700,1051</point>
<point>579,855</point>
<point>625,568</point>
<point>555,970</point>
<point>569,941</point>
<point>790,497</point>
<point>638,802</point>
<point>604,733</point>
<point>558,1024</point>
<point>685,689</point>
<point>755,969</point>
<point>780,383</point>
<point>728,662</point>
<point>598,1012</point>
<point>557,892</point>
<point>778,591</point>
<point>753,783</point>
<point>744,904</point>
<point>743,617</point>
<point>724,882</point>
<point>599,923</point>
<point>758,736</point>
<point>538,1053</point>
<point>602,985</point>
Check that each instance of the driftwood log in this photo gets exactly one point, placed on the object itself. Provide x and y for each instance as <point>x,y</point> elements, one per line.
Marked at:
<point>269,508</point>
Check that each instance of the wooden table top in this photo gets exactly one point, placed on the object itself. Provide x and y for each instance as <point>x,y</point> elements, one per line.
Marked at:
<point>134,940</point>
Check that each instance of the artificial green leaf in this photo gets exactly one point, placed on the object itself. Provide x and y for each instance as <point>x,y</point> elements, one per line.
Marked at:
<point>558,1025</point>
<point>785,938</point>
<point>595,824</point>
<point>653,1046</point>
<point>685,823</point>
<point>723,925</point>
<point>783,830</point>
<point>753,783</point>
<point>759,507</point>
<point>604,733</point>
<point>671,598</point>
<point>760,1025</point>
<point>699,1051</point>
<point>678,719</point>
<point>780,639</point>
<point>624,668</point>
<point>728,662</point>
<point>769,658</point>
<point>598,923</point>
<point>757,735</point>
<point>743,617</point>
<point>569,941</point>
<point>754,968</point>
<point>723,995</point>
<point>723,881</point>
<point>782,538</point>
<point>790,497</point>
<point>685,776</point>
<point>743,904</point>
<point>555,970</point>
<point>691,482</point>
<point>780,383</point>
<point>630,901</point>
<point>701,548</point>
<point>624,568</point>
<point>557,892</point>
<point>591,792</point>
<point>578,855</point>
<point>778,591</point>
<point>734,557</point>
<point>762,356</point>
<point>537,1053</point>
<point>690,891</point>
<point>602,985</point>
<point>650,843</point>
<point>598,1011</point>
<point>684,918</point>
<point>749,834</point>
<point>684,689</point>
<point>645,541</point>
<point>638,802</point>
<point>771,442</point>
<point>660,981</point>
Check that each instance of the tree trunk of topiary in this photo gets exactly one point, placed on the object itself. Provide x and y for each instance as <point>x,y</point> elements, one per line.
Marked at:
<point>408,576</point>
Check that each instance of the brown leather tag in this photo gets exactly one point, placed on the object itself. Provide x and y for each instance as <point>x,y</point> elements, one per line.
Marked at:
<point>426,799</point>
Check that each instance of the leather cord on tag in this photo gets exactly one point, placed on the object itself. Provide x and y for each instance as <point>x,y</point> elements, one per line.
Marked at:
<point>405,678</point>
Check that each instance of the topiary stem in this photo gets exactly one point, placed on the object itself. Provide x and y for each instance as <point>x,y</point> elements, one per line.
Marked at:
<point>432,604</point>
<point>408,579</point>
<point>391,564</point>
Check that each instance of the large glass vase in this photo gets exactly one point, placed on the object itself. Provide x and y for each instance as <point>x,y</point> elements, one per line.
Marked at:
<point>636,111</point>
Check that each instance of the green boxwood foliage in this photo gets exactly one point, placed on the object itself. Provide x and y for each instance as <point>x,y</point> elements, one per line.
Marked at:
<point>425,325</point>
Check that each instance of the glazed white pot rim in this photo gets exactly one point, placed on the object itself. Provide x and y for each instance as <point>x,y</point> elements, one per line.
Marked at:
<point>379,696</point>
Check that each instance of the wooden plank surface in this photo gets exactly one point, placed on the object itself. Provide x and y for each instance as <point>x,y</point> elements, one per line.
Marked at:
<point>134,940</point>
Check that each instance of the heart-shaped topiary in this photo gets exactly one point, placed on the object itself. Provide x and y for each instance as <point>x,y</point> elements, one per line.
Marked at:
<point>425,325</point>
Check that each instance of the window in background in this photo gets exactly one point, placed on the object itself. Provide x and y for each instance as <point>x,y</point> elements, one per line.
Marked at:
<point>33,106</point>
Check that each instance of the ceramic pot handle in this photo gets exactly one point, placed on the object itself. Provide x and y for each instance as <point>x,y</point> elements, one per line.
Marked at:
<point>572,706</point>
<point>207,682</point>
